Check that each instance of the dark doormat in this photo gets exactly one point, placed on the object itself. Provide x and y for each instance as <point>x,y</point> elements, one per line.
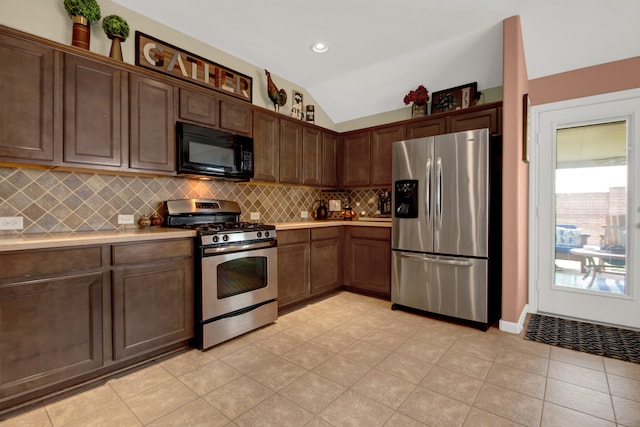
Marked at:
<point>623,344</point>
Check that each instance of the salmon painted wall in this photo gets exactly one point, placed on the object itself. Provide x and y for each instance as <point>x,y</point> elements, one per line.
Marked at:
<point>598,79</point>
<point>515,185</point>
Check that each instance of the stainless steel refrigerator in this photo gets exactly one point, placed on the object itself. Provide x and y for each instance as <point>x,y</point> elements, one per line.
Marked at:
<point>446,236</point>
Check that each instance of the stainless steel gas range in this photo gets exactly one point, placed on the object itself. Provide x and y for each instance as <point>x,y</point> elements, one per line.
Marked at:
<point>236,276</point>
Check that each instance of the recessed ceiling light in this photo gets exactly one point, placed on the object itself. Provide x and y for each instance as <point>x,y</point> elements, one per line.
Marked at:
<point>320,47</point>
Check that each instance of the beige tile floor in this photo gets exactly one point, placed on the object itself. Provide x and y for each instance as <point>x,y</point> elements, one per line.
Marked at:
<point>349,360</point>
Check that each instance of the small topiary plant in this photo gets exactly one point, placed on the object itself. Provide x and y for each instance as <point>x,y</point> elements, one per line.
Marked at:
<point>87,8</point>
<point>113,25</point>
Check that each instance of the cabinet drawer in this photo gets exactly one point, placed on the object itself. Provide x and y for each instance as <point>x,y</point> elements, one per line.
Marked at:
<point>31,264</point>
<point>292,236</point>
<point>325,233</point>
<point>152,251</point>
<point>370,233</point>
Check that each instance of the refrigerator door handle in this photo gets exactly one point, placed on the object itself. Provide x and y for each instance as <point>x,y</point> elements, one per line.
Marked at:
<point>439,192</point>
<point>458,263</point>
<point>427,191</point>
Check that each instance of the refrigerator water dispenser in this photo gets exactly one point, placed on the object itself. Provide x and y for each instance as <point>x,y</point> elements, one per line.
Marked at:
<point>406,198</point>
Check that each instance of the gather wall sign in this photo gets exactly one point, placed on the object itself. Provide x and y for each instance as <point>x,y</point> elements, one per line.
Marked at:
<point>170,60</point>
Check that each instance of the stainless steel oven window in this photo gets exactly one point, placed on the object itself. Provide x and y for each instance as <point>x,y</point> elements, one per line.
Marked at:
<point>241,275</point>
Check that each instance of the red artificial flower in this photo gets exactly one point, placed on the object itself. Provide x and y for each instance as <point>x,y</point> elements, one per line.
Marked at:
<point>420,96</point>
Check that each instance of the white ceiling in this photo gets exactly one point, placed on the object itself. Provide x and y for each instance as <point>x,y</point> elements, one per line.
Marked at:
<point>381,49</point>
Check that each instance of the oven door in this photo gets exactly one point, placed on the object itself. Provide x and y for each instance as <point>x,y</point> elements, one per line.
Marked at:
<point>238,280</point>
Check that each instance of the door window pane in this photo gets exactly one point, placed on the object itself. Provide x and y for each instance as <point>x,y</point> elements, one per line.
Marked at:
<point>591,207</point>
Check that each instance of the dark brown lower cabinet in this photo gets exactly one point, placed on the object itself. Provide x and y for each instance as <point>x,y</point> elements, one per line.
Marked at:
<point>309,264</point>
<point>50,331</point>
<point>368,260</point>
<point>326,262</point>
<point>293,266</point>
<point>152,307</point>
<point>69,315</point>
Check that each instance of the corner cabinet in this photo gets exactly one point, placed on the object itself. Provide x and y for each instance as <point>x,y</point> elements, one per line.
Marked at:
<point>367,266</point>
<point>356,159</point>
<point>152,296</point>
<point>311,156</point>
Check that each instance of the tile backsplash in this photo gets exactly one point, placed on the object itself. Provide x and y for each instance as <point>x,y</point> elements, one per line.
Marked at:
<point>59,201</point>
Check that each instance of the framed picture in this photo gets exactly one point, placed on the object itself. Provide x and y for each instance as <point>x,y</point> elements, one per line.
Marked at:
<point>296,105</point>
<point>456,98</point>
<point>526,106</point>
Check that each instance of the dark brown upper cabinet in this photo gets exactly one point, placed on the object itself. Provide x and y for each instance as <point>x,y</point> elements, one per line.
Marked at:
<point>95,114</point>
<point>311,156</point>
<point>329,160</point>
<point>356,159</point>
<point>152,140</point>
<point>290,151</point>
<point>266,147</point>
<point>28,112</point>
<point>198,107</point>
<point>382,140</point>
<point>236,117</point>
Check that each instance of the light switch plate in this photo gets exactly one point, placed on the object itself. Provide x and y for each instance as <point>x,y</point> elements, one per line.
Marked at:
<point>335,205</point>
<point>255,216</point>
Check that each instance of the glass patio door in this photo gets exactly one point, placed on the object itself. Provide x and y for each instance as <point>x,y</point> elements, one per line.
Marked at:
<point>587,200</point>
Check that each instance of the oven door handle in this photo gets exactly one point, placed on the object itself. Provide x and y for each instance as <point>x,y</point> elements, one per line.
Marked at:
<point>238,248</point>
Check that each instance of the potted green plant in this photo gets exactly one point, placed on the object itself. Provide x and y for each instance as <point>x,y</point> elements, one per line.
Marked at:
<point>117,29</point>
<point>83,13</point>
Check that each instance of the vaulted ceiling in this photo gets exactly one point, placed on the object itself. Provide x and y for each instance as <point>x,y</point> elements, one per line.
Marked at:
<point>381,49</point>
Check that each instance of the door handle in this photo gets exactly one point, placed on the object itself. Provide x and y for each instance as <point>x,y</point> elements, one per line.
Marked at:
<point>427,191</point>
<point>439,191</point>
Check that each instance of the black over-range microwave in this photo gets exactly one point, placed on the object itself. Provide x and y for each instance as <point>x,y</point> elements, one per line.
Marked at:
<point>215,153</point>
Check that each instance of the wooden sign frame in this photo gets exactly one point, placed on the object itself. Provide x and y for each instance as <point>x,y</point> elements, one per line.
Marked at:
<point>167,59</point>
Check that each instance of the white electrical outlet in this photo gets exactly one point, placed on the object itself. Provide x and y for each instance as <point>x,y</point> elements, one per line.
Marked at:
<point>125,219</point>
<point>304,214</point>
<point>335,205</point>
<point>11,223</point>
<point>255,216</point>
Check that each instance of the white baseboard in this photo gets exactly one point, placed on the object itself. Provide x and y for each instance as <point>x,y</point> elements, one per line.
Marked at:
<point>515,328</point>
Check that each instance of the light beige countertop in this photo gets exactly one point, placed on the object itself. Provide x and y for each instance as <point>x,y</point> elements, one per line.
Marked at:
<point>59,240</point>
<point>329,223</point>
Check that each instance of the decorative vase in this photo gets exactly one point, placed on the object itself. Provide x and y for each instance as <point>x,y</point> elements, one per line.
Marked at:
<point>81,32</point>
<point>418,110</point>
<point>116,48</point>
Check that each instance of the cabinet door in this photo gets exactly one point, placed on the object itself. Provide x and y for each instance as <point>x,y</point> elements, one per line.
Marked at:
<point>198,107</point>
<point>381,143</point>
<point>50,331</point>
<point>27,110</point>
<point>487,118</point>
<point>368,260</point>
<point>266,147</point>
<point>423,128</point>
<point>153,146</point>
<point>329,160</point>
<point>152,306</point>
<point>325,259</point>
<point>95,124</point>
<point>356,159</point>
<point>236,117</point>
<point>290,152</point>
<point>311,156</point>
<point>293,266</point>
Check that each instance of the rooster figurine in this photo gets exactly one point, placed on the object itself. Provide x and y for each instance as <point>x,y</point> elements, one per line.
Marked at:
<point>278,97</point>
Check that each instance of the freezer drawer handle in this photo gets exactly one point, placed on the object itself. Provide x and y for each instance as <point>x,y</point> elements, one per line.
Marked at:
<point>438,261</point>
<point>439,192</point>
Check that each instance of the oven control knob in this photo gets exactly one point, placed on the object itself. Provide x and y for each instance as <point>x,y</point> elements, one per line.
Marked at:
<point>259,234</point>
<point>266,234</point>
<point>215,239</point>
<point>225,237</point>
